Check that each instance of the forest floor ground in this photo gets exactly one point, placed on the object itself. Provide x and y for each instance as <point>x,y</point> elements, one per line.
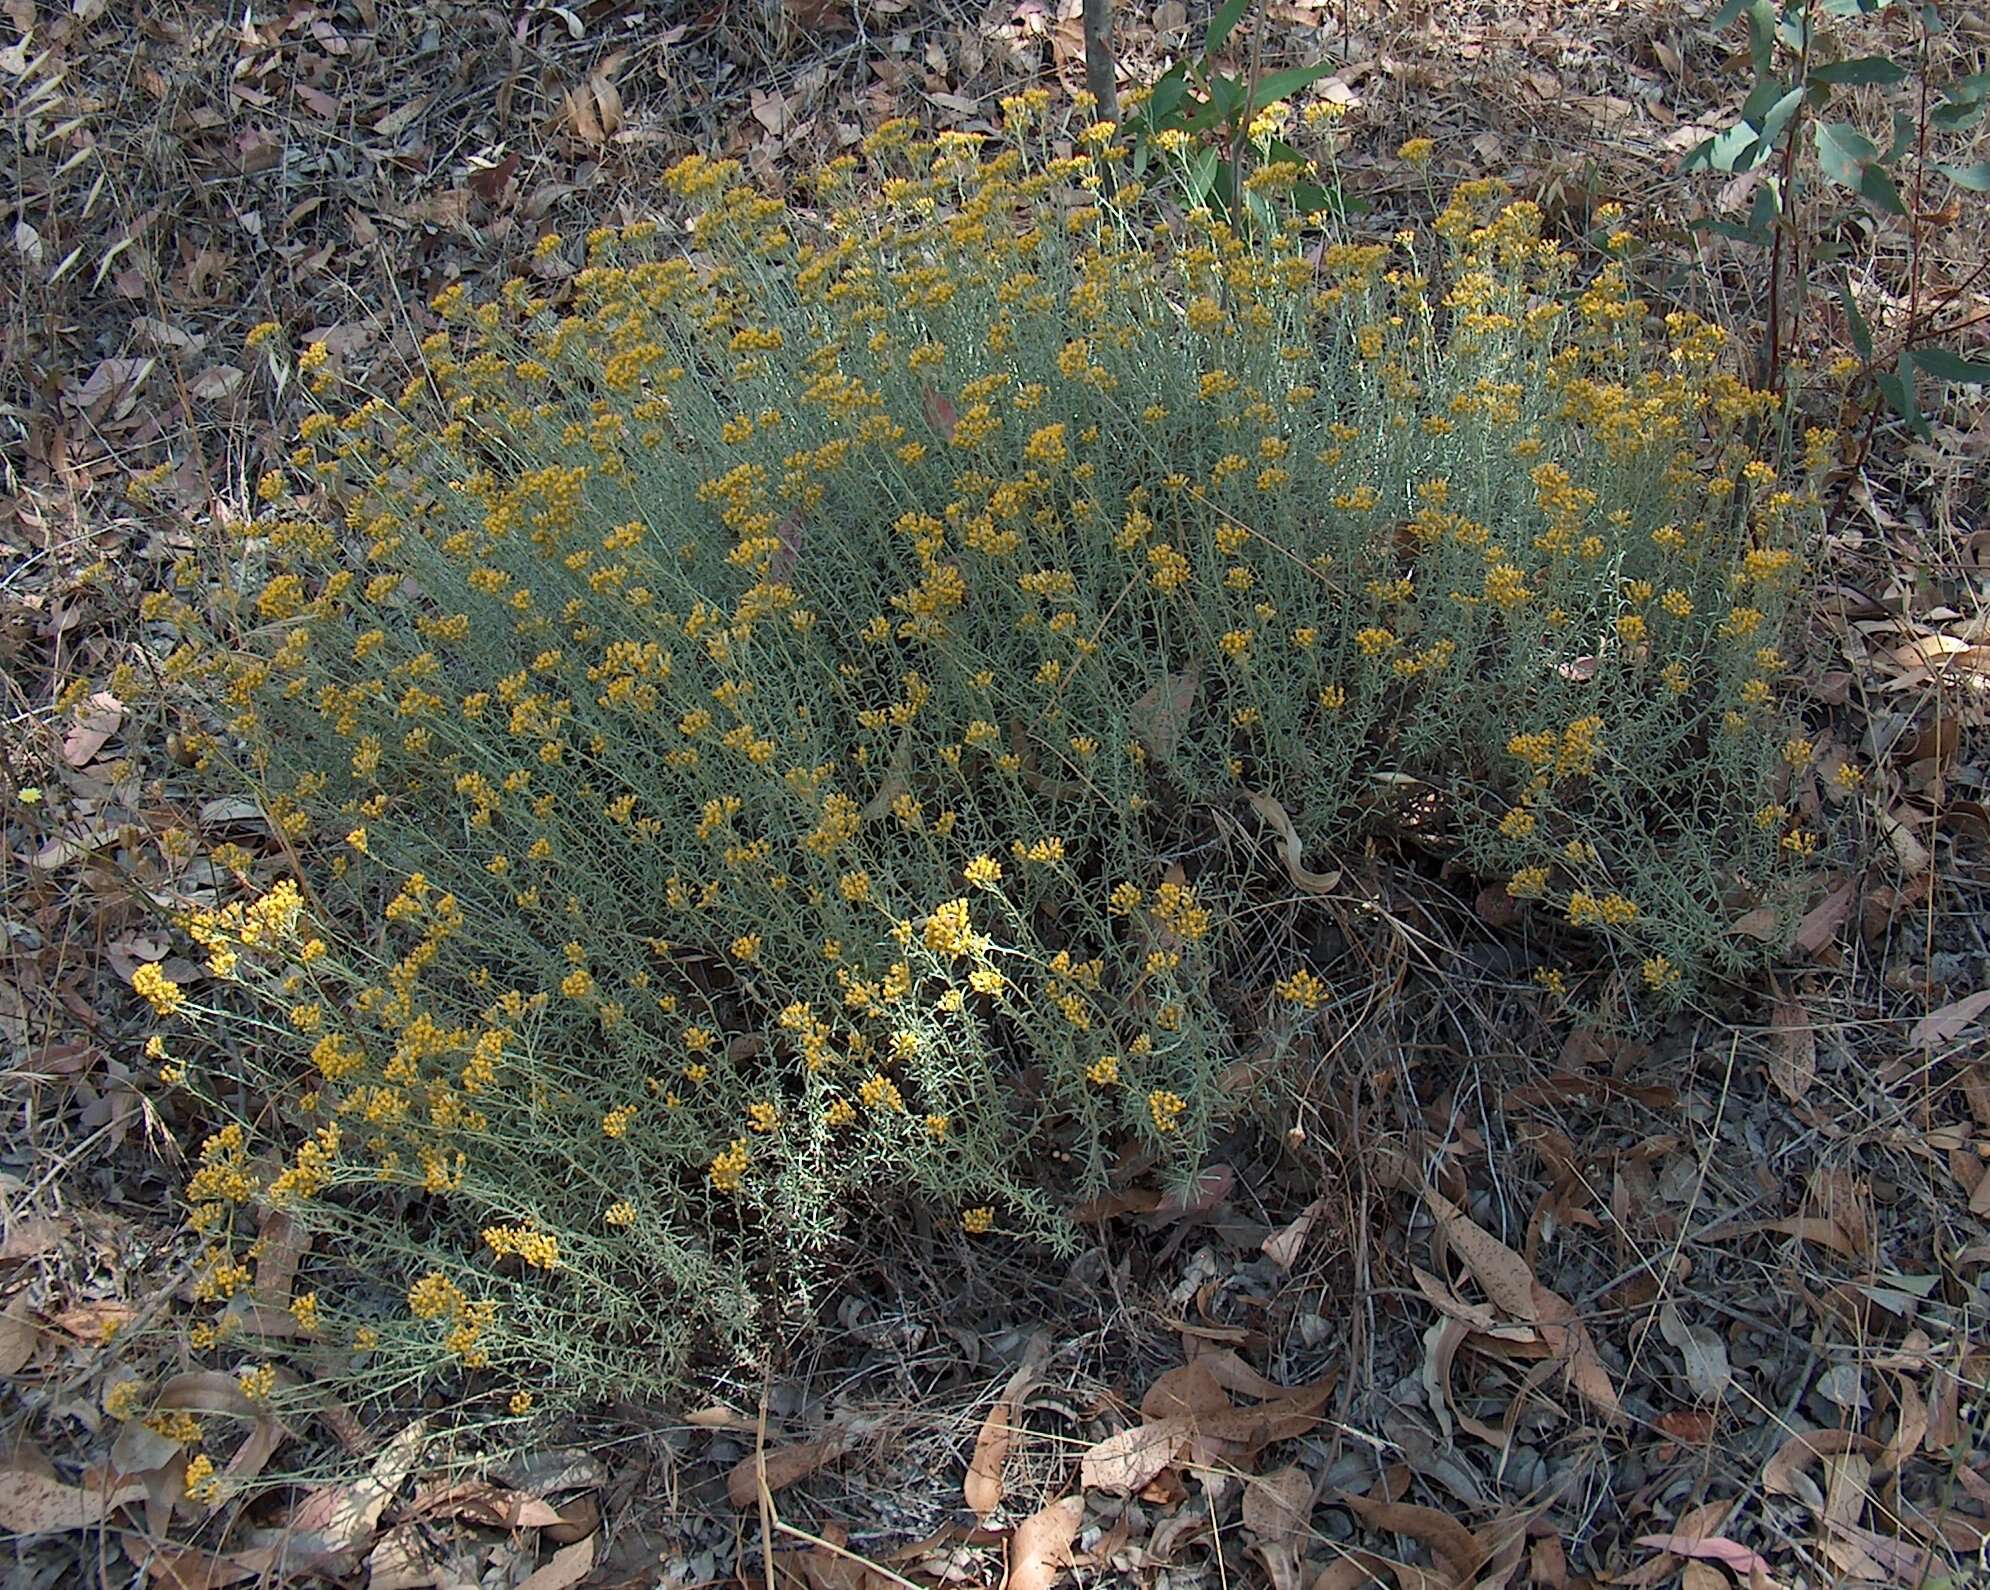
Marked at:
<point>1766,1226</point>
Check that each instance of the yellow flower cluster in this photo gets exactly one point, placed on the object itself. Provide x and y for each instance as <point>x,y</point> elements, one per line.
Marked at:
<point>729,1166</point>
<point>158,990</point>
<point>436,1297</point>
<point>539,1249</point>
<point>1303,989</point>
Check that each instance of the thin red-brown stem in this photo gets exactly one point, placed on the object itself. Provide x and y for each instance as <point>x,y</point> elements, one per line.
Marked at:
<point>1772,373</point>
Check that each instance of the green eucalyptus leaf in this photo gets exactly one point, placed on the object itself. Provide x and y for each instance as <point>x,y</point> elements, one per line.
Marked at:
<point>1275,86</point>
<point>1972,90</point>
<point>1223,24</point>
<point>1207,113</point>
<point>1767,93</point>
<point>1945,365</point>
<point>1952,115</point>
<point>1736,149</point>
<point>1876,187</point>
<point>1864,71</point>
<point>1896,392</point>
<point>1779,116</point>
<point>1897,386</point>
<point>1793,30</point>
<point>1904,134</point>
<point>1974,177</point>
<point>1167,97</point>
<point>1853,8</point>
<point>1843,151</point>
<point>1761,36</point>
<point>1311,196</point>
<point>1736,231</point>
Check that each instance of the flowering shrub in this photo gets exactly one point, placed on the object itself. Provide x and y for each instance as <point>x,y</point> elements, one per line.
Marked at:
<point>745,740</point>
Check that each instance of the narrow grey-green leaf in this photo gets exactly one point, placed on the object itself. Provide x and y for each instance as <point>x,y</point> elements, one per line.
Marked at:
<point>1898,389</point>
<point>1905,131</point>
<point>1166,96</point>
<point>1203,177</point>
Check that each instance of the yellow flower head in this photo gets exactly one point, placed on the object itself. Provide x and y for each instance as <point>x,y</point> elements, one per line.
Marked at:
<point>948,931</point>
<point>158,990</point>
<point>729,1167</point>
<point>1303,989</point>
